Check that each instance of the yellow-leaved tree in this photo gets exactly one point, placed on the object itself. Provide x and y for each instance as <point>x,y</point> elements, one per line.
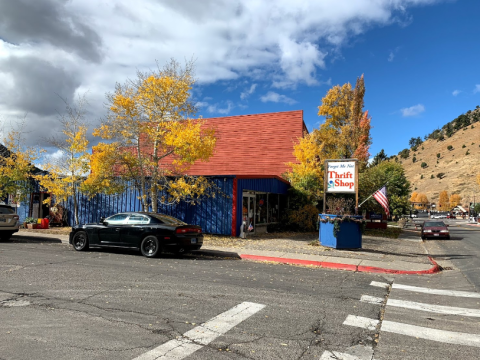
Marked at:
<point>67,170</point>
<point>443,201</point>
<point>16,165</point>
<point>152,139</point>
<point>344,134</point>
<point>455,199</point>
<point>421,201</point>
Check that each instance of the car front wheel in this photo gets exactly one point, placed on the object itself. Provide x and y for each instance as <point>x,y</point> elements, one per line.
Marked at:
<point>80,241</point>
<point>150,246</point>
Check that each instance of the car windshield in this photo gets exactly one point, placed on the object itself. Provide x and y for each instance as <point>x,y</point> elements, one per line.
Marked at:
<point>6,210</point>
<point>434,224</point>
<point>167,219</point>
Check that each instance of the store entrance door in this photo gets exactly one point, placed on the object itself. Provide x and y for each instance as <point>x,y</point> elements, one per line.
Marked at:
<point>248,213</point>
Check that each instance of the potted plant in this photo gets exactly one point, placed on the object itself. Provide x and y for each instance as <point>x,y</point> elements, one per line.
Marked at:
<point>339,228</point>
<point>32,223</point>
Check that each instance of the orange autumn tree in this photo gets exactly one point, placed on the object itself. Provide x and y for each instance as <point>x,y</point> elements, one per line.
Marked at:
<point>344,134</point>
<point>455,199</point>
<point>421,201</point>
<point>443,201</point>
<point>413,198</point>
<point>152,139</point>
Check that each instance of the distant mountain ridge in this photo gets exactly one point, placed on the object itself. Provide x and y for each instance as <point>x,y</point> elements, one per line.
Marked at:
<point>456,166</point>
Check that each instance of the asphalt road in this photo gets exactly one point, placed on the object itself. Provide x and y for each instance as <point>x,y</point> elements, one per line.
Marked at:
<point>56,303</point>
<point>464,250</point>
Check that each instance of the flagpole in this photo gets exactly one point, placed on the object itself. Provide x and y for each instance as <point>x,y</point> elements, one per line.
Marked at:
<point>363,202</point>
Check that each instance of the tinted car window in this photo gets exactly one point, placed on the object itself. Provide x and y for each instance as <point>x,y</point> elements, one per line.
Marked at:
<point>6,210</point>
<point>436,223</point>
<point>117,219</point>
<point>138,219</point>
<point>169,220</point>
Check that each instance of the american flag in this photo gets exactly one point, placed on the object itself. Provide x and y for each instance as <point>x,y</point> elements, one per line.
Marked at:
<point>381,197</point>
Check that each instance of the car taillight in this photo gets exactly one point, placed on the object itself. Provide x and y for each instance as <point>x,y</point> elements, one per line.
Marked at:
<point>188,230</point>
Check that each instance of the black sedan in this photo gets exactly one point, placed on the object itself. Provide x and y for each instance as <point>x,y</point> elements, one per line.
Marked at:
<point>150,232</point>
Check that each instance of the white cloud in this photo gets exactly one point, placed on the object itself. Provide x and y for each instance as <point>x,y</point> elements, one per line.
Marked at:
<point>272,96</point>
<point>284,43</point>
<point>413,110</point>
<point>456,92</point>
<point>391,56</point>
<point>393,53</point>
<point>248,92</point>
<point>476,89</point>
<point>217,109</point>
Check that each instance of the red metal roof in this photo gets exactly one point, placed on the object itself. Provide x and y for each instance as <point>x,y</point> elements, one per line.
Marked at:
<point>255,145</point>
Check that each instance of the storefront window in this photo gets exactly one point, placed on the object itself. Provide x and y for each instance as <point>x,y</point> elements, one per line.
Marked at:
<point>261,208</point>
<point>273,208</point>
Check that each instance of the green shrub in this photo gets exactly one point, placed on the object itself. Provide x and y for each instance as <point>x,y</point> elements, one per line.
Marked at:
<point>464,146</point>
<point>438,155</point>
<point>414,159</point>
<point>431,176</point>
<point>468,152</point>
<point>449,147</point>
<point>424,165</point>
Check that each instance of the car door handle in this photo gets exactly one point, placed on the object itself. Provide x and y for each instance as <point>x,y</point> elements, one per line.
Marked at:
<point>117,229</point>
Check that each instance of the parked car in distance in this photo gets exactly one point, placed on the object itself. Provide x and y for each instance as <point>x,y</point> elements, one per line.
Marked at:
<point>9,222</point>
<point>435,229</point>
<point>150,232</point>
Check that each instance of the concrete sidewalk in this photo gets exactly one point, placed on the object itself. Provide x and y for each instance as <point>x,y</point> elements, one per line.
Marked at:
<point>406,255</point>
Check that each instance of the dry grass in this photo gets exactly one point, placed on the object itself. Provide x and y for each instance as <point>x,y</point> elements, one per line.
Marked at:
<point>460,170</point>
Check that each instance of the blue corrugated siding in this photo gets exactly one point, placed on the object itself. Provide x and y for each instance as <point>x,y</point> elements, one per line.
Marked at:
<point>270,185</point>
<point>213,214</point>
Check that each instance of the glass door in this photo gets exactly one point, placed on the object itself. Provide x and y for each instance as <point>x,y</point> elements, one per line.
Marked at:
<point>248,212</point>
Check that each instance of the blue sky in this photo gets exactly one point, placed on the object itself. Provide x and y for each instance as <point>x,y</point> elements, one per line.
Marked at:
<point>419,58</point>
<point>429,62</point>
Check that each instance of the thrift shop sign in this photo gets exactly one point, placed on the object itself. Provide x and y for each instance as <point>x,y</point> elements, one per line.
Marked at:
<point>341,177</point>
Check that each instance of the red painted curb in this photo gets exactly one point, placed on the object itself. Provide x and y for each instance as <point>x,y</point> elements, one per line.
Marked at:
<point>329,265</point>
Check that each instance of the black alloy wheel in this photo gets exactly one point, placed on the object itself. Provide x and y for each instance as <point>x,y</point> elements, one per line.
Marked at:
<point>80,241</point>
<point>150,247</point>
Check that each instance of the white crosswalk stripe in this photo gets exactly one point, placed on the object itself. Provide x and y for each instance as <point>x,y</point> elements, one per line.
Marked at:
<point>204,334</point>
<point>425,290</point>
<point>449,337</point>
<point>439,309</point>
<point>421,332</point>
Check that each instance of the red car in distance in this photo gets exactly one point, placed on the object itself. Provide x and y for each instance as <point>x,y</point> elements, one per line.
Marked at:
<point>435,229</point>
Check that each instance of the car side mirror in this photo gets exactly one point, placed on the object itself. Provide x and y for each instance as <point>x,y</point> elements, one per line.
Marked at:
<point>102,219</point>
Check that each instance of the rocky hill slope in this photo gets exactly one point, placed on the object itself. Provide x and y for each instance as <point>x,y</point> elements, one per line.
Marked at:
<point>454,169</point>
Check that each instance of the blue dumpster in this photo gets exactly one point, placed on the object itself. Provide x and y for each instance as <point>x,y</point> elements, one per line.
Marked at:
<point>348,237</point>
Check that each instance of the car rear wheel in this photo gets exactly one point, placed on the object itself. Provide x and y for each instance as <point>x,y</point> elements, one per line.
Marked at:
<point>80,241</point>
<point>150,246</point>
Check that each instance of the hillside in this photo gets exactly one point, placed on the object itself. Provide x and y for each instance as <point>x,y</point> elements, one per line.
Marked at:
<point>459,170</point>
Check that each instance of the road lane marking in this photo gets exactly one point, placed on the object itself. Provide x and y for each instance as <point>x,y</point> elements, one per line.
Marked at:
<point>335,355</point>
<point>203,334</point>
<point>380,284</point>
<point>439,309</point>
<point>444,336</point>
<point>371,299</point>
<point>429,291</point>
<point>361,322</point>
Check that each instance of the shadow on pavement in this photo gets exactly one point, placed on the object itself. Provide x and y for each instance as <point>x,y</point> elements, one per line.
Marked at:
<point>194,255</point>
<point>31,239</point>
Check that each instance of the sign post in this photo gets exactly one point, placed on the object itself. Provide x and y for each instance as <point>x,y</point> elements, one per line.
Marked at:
<point>340,176</point>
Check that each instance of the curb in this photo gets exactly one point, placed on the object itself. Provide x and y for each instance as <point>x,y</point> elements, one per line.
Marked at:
<point>349,267</point>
